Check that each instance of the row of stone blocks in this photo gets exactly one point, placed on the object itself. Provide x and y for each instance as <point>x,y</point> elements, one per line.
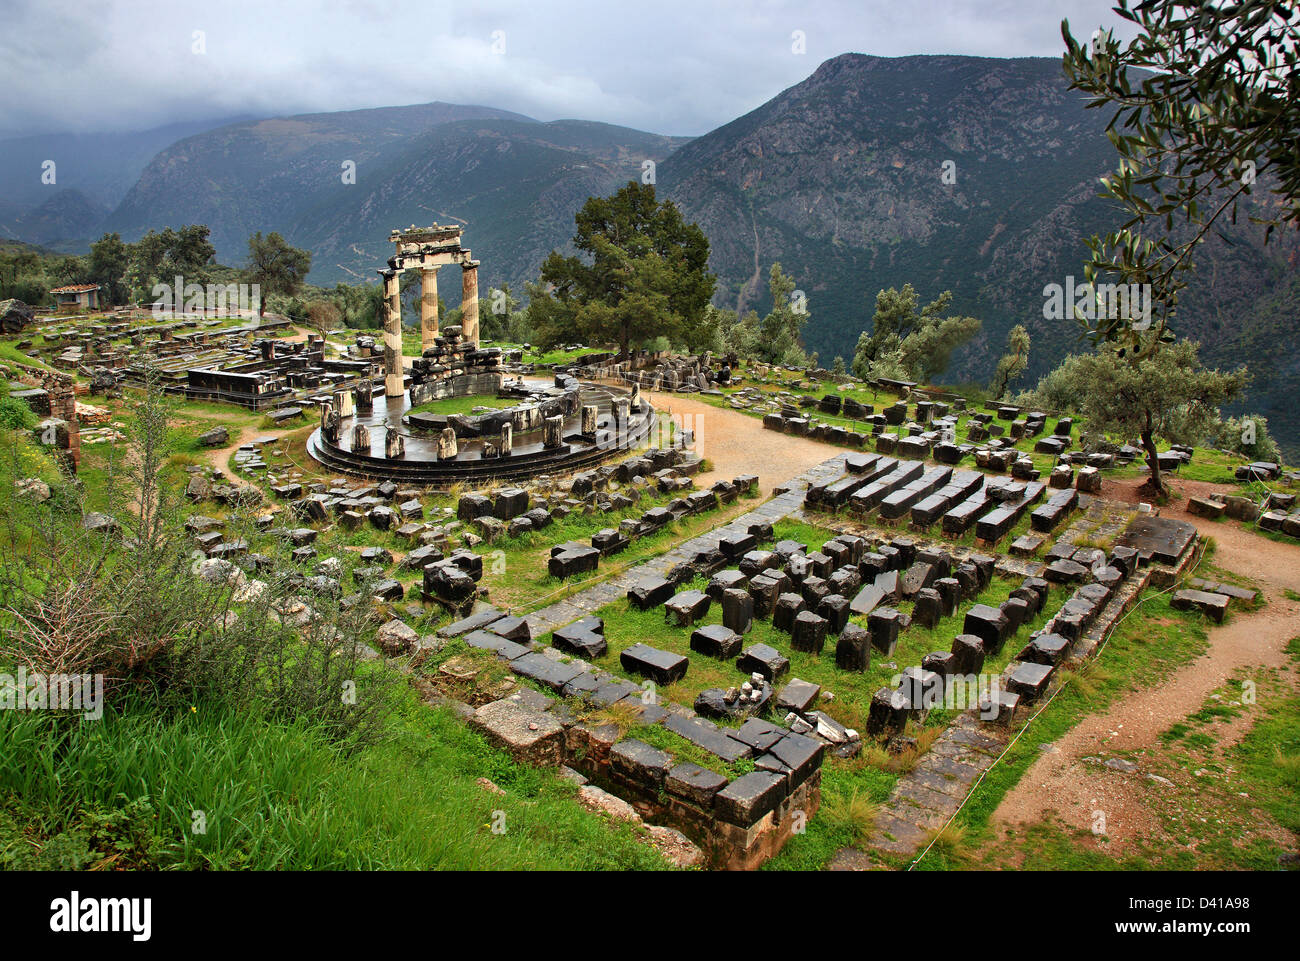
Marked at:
<point>985,631</point>
<point>740,821</point>
<point>897,488</point>
<point>572,558</point>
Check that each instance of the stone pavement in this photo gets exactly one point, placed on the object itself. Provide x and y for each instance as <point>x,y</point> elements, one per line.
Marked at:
<point>587,601</point>
<point>925,798</point>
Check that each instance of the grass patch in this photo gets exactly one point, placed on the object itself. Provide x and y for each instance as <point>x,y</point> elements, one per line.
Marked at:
<point>124,792</point>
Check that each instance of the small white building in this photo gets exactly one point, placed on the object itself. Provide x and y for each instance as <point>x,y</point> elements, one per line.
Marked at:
<point>73,298</point>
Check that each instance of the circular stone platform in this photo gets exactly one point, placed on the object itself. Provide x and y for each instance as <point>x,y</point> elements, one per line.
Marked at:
<point>529,457</point>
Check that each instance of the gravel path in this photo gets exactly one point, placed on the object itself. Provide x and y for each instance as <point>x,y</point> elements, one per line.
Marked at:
<point>736,443</point>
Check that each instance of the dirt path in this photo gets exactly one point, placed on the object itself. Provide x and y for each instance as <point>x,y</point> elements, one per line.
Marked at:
<point>219,457</point>
<point>1061,781</point>
<point>736,443</point>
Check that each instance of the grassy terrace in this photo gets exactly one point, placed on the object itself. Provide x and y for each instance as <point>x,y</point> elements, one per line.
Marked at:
<point>870,776</point>
<point>1208,465</point>
<point>515,568</point>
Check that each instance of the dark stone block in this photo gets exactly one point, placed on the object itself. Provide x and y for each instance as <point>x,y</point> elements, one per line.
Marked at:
<point>809,632</point>
<point>928,608</point>
<point>760,735</point>
<point>853,649</point>
<point>662,667</point>
<point>704,734</point>
<point>764,590</point>
<point>888,713</point>
<point>608,541</point>
<point>942,663</point>
<point>1029,681</point>
<point>745,800</point>
<point>801,756</point>
<point>867,599</point>
<point>724,581</point>
<point>763,659</point>
<point>989,624</point>
<point>577,559</point>
<point>845,580</point>
<point>923,689</point>
<point>640,764</point>
<point>651,592</point>
<point>545,671</point>
<point>1045,649</point>
<point>580,640</point>
<point>835,609</point>
<point>684,609</point>
<point>884,624</point>
<point>787,608</point>
<point>797,696</point>
<point>737,610</point>
<point>814,589</point>
<point>735,546</point>
<point>1065,572</point>
<point>754,563</point>
<point>694,783</point>
<point>716,640</point>
<point>510,502</point>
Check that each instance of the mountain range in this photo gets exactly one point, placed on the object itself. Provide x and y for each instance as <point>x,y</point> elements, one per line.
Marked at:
<point>975,175</point>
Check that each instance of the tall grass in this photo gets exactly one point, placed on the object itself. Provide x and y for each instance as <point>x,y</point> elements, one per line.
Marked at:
<point>280,796</point>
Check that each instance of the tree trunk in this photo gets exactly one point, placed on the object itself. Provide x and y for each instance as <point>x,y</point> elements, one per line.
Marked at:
<point>1149,444</point>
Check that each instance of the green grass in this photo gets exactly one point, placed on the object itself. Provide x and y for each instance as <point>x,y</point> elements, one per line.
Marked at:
<point>123,792</point>
<point>463,405</point>
<point>519,576</point>
<point>10,352</point>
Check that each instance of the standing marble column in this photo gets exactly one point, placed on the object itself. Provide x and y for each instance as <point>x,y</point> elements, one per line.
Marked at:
<point>428,306</point>
<point>469,302</point>
<point>392,332</point>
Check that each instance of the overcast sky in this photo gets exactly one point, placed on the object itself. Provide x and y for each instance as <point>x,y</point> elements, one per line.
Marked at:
<point>670,66</point>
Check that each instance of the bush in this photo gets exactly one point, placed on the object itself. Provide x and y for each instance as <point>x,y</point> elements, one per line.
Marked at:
<point>131,607</point>
<point>16,415</point>
<point>1247,435</point>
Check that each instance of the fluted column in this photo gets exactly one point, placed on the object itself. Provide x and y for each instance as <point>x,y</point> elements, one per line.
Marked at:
<point>428,306</point>
<point>469,302</point>
<point>392,333</point>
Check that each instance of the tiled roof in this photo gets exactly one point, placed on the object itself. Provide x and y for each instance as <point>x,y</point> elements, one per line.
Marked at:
<point>74,289</point>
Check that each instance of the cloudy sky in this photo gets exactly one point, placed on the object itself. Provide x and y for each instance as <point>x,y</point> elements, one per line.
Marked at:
<point>671,66</point>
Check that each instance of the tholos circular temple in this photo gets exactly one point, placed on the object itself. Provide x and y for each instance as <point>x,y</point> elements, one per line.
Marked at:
<point>553,426</point>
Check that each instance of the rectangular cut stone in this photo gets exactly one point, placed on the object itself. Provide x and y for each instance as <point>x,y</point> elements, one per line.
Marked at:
<point>527,735</point>
<point>763,659</point>
<point>745,800</point>
<point>684,609</point>
<point>716,640</point>
<point>662,667</point>
<point>1029,681</point>
<point>650,592</point>
<point>705,735</point>
<point>696,784</point>
<point>638,763</point>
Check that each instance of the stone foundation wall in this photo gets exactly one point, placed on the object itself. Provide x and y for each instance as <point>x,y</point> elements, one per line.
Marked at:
<point>457,385</point>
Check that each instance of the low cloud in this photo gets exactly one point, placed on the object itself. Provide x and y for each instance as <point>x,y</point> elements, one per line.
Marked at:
<point>671,66</point>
